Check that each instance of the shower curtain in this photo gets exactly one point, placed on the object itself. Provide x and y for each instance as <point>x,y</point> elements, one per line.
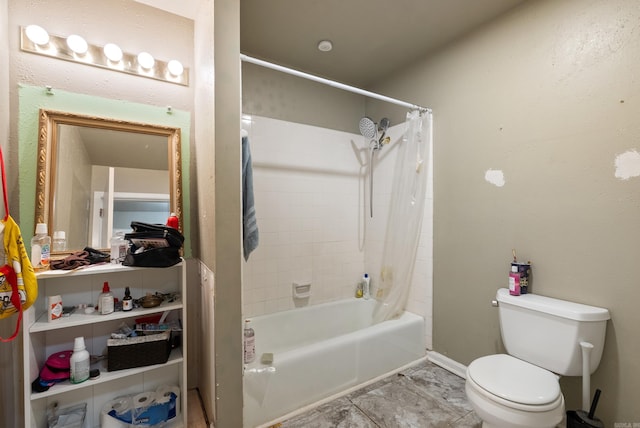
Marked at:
<point>405,216</point>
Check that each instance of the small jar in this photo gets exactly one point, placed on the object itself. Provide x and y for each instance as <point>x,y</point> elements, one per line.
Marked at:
<point>118,248</point>
<point>59,241</point>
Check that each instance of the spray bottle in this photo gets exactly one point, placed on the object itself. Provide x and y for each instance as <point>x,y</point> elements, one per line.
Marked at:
<point>79,362</point>
<point>249,342</point>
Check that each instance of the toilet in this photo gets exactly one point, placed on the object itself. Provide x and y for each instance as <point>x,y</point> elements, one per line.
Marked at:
<point>542,338</point>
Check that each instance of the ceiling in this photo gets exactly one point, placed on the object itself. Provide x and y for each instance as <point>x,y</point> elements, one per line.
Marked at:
<point>105,147</point>
<point>371,38</point>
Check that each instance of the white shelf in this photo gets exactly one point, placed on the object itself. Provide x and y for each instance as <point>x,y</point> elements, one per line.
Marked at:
<point>42,338</point>
<point>94,270</point>
<point>105,376</point>
<point>76,319</point>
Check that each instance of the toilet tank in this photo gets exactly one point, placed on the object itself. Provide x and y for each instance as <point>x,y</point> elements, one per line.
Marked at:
<point>547,332</point>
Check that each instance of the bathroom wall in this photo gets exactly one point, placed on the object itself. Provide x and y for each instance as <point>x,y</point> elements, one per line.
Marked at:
<point>311,188</point>
<point>536,140</point>
<point>309,206</point>
<point>278,95</point>
<point>221,234</point>
<point>204,183</point>
<point>34,98</point>
<point>135,27</point>
<point>9,352</point>
<point>96,23</point>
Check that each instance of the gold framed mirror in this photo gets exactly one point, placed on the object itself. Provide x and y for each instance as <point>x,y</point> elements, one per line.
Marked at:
<point>88,166</point>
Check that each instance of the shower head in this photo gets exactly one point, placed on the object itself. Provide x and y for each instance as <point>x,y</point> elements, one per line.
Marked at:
<point>383,125</point>
<point>367,128</point>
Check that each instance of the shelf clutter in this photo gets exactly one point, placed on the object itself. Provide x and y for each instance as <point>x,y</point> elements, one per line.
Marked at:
<point>137,347</point>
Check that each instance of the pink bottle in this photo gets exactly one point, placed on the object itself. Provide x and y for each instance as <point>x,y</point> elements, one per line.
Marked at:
<point>514,281</point>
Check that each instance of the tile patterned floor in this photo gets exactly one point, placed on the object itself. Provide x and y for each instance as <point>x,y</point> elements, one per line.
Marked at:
<point>422,396</point>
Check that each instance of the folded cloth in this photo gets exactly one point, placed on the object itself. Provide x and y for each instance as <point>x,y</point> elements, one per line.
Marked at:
<point>97,256</point>
<point>250,225</point>
<point>88,256</point>
<point>72,261</point>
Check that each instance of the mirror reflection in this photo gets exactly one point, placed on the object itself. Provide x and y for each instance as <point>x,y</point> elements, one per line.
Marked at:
<point>96,175</point>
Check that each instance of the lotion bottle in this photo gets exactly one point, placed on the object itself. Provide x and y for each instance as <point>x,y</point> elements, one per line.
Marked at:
<point>249,342</point>
<point>105,300</point>
<point>79,361</point>
<point>40,248</point>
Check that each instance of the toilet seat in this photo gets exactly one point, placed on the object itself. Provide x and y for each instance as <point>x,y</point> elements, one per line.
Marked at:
<point>515,383</point>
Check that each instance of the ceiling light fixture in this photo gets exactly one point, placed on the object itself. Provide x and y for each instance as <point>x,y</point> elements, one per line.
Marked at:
<point>74,48</point>
<point>325,45</point>
<point>113,52</point>
<point>37,35</point>
<point>77,44</point>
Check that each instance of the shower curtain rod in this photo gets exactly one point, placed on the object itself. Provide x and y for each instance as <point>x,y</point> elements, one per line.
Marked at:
<point>332,83</point>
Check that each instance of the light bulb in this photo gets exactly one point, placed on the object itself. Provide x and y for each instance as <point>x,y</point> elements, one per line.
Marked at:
<point>145,60</point>
<point>77,44</point>
<point>175,67</point>
<point>113,52</point>
<point>37,34</point>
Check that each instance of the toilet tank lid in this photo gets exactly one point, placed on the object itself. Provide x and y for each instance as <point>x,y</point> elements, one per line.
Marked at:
<point>557,307</point>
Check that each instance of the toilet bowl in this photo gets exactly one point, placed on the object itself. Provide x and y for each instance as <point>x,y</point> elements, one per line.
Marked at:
<point>507,392</point>
<point>542,337</point>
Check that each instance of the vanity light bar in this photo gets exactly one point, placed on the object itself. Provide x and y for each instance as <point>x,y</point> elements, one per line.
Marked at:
<point>75,49</point>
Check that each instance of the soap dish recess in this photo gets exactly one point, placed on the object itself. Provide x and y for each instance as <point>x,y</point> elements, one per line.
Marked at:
<point>301,290</point>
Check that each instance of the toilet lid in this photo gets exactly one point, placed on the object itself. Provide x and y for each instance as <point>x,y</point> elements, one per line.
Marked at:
<point>514,380</point>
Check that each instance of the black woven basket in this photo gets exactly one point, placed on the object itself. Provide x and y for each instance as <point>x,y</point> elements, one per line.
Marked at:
<point>138,351</point>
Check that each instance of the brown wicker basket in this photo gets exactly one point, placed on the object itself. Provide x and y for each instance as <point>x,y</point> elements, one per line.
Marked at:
<point>138,351</point>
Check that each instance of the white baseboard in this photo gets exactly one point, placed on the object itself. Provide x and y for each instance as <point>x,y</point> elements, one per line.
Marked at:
<point>447,363</point>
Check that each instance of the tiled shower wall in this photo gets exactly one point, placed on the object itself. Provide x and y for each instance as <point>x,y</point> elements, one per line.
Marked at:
<point>311,195</point>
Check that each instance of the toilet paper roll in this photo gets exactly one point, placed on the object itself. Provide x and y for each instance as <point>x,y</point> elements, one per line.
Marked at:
<point>164,393</point>
<point>120,405</point>
<point>144,399</point>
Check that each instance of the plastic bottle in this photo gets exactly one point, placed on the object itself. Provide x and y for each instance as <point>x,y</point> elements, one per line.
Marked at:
<point>127,301</point>
<point>249,342</point>
<point>59,241</point>
<point>118,248</point>
<point>366,284</point>
<point>359,290</point>
<point>54,307</point>
<point>40,248</point>
<point>105,300</point>
<point>173,221</point>
<point>79,361</point>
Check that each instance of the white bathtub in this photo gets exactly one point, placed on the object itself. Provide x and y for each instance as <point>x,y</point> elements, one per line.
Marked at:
<point>323,350</point>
